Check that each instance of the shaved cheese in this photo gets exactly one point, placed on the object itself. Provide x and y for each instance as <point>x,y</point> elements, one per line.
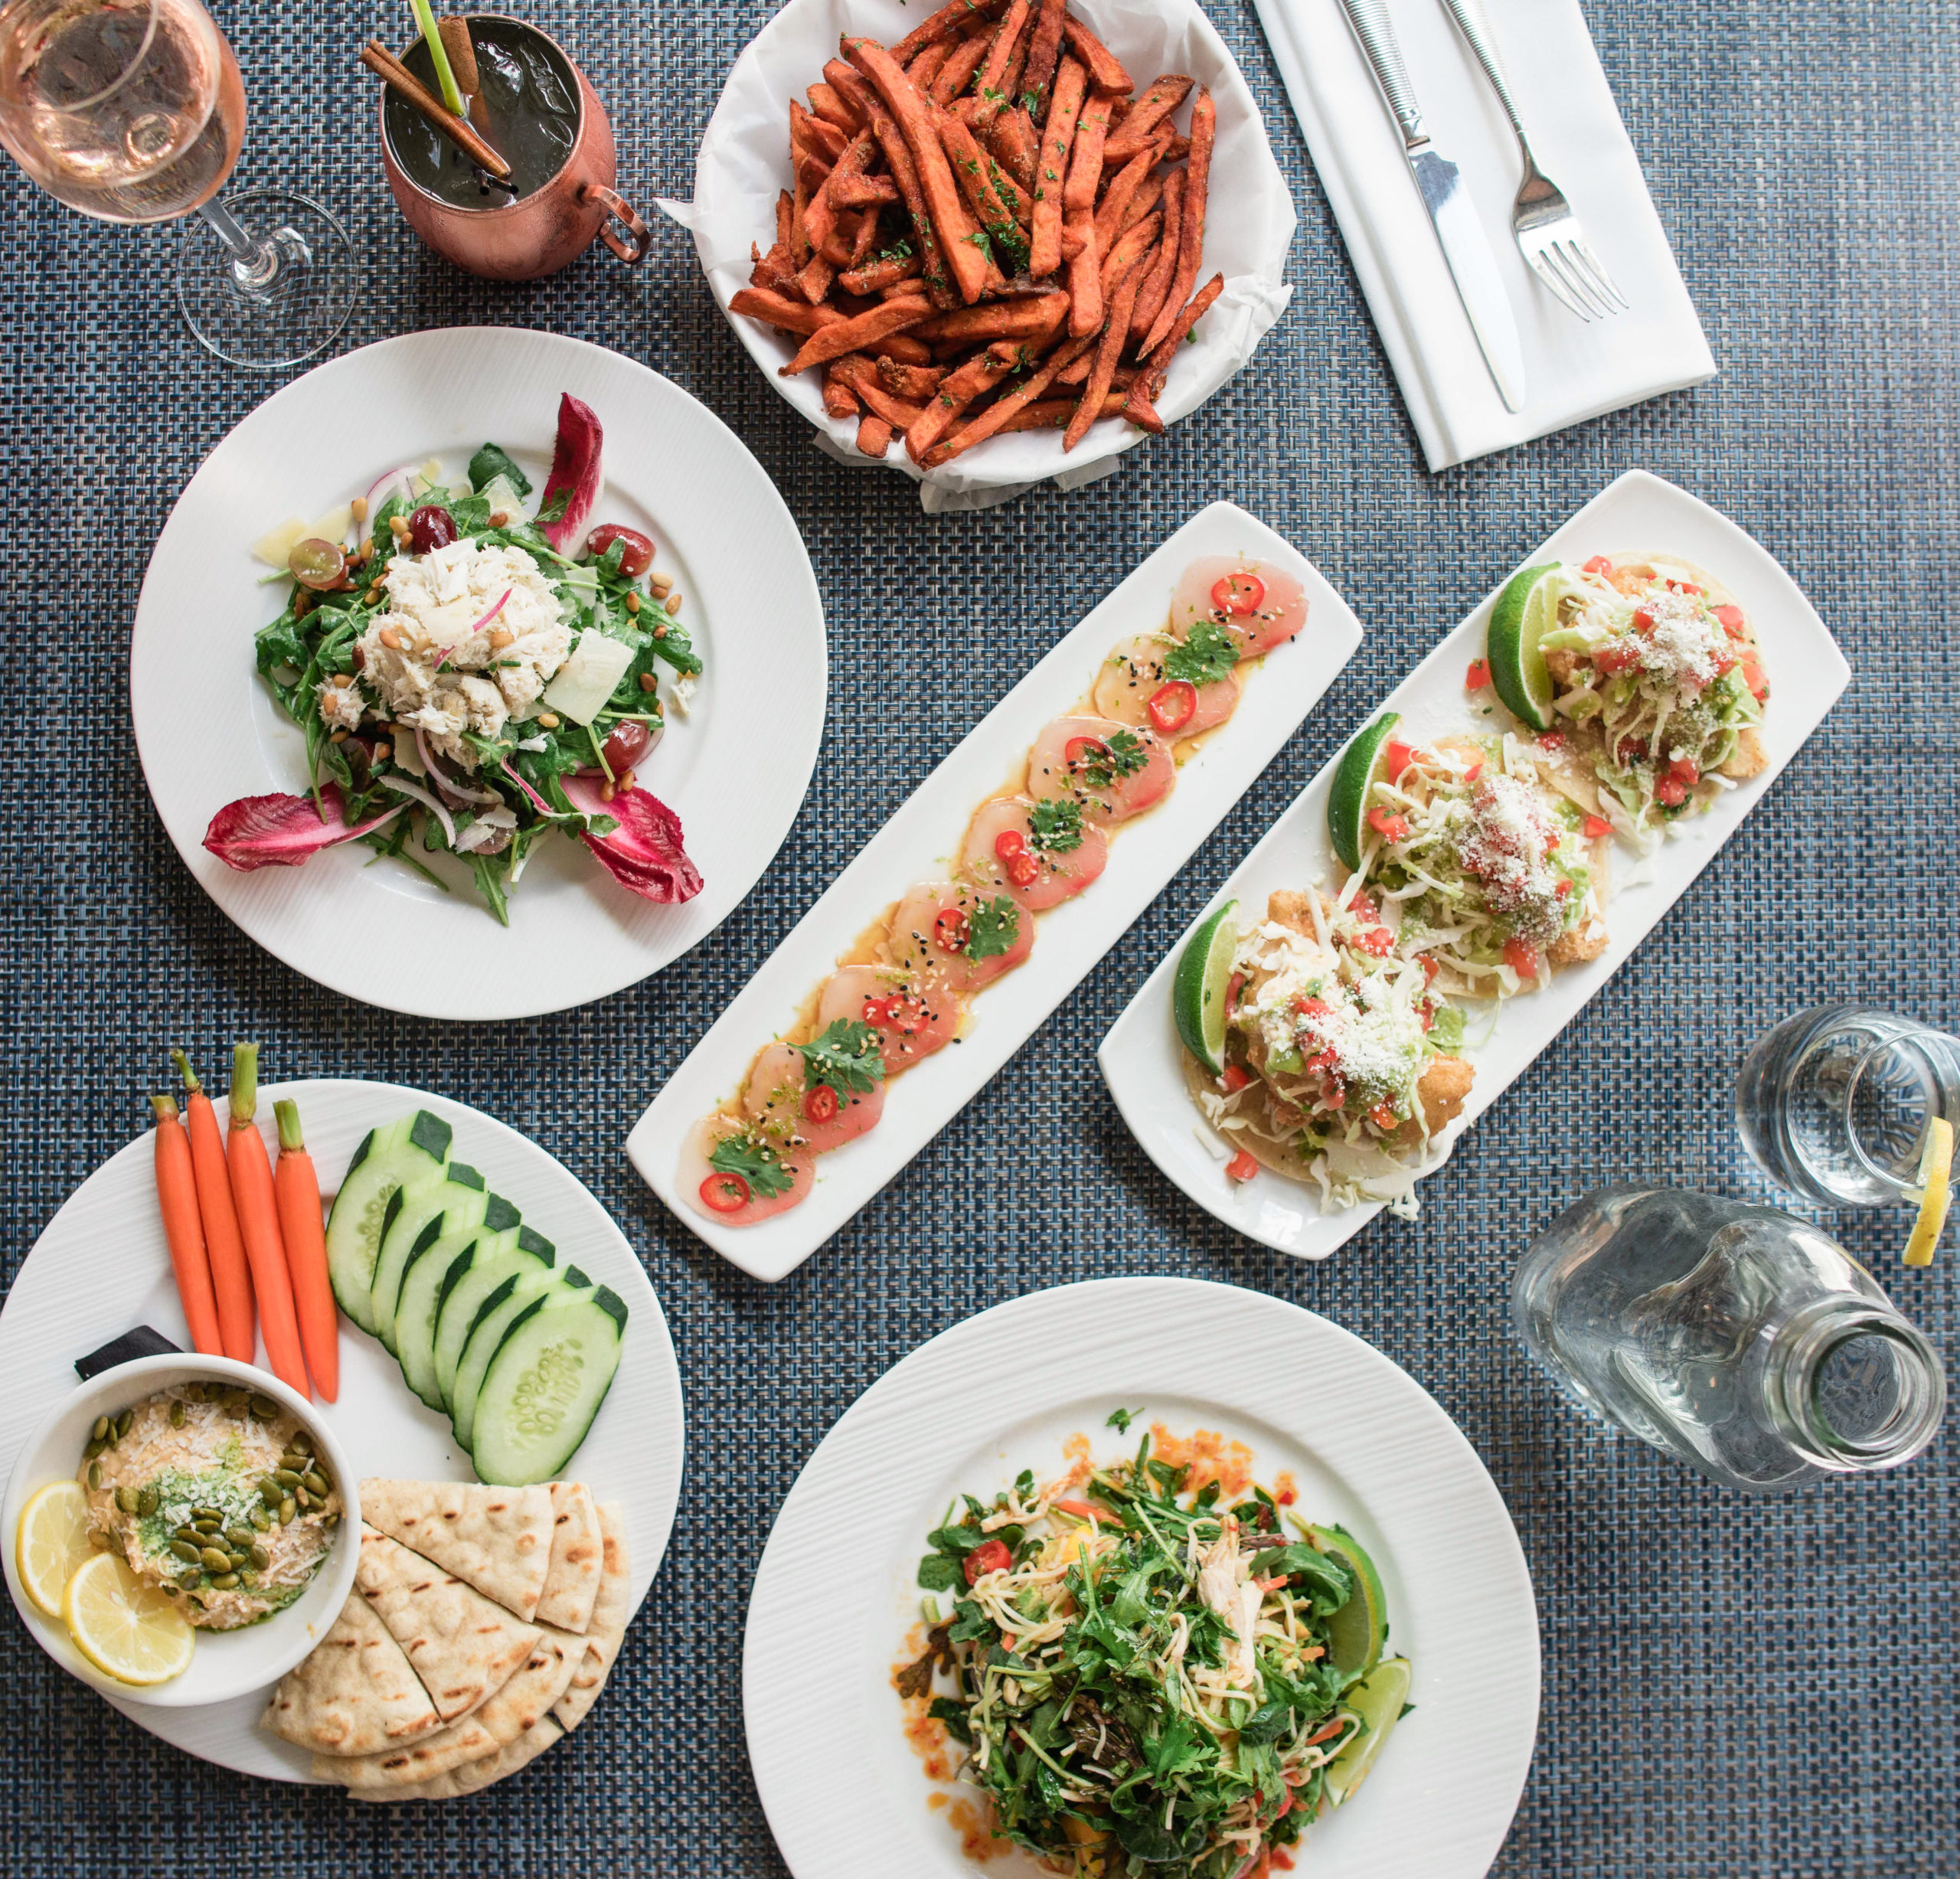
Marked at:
<point>333,526</point>
<point>588,678</point>
<point>273,546</point>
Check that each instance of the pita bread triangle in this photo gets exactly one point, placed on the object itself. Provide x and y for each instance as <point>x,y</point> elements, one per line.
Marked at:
<point>578,1559</point>
<point>607,1629</point>
<point>354,1694</point>
<point>499,1540</point>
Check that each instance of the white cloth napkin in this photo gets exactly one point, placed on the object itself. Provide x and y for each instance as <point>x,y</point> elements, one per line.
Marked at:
<point>1574,370</point>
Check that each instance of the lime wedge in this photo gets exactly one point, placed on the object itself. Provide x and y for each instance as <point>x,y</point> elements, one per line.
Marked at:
<point>1356,1633</point>
<point>1378,1699</point>
<point>1935,1192</point>
<point>1526,611</point>
<point>1347,803</point>
<point>1204,976</point>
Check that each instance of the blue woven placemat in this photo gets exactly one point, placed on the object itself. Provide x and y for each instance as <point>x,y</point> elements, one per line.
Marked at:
<point>1731,1686</point>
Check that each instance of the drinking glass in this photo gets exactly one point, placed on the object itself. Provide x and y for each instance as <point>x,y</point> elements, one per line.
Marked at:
<point>1740,1339</point>
<point>133,111</point>
<point>1834,1103</point>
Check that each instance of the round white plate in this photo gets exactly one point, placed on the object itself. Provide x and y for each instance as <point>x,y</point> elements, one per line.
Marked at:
<point>209,731</point>
<point>103,1266</point>
<point>1368,1447</point>
<point>744,161</point>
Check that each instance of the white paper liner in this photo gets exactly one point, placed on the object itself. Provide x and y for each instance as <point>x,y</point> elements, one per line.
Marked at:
<point>744,162</point>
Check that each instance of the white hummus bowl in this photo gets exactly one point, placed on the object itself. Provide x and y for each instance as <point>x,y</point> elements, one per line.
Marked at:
<point>226,1664</point>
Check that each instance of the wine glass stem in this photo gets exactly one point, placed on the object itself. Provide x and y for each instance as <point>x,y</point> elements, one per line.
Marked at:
<point>254,264</point>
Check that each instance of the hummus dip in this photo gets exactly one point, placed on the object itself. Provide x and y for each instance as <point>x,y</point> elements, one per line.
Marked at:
<point>214,1494</point>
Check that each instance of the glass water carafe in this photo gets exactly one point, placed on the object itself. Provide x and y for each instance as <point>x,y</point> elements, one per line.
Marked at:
<point>1738,1339</point>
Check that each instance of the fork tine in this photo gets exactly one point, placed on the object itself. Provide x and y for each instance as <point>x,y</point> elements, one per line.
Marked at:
<point>1543,268</point>
<point>1595,272</point>
<point>1577,282</point>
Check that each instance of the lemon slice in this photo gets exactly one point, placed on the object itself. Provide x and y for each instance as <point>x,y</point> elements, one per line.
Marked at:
<point>52,1542</point>
<point>1378,1699</point>
<point>124,1626</point>
<point>1935,1192</point>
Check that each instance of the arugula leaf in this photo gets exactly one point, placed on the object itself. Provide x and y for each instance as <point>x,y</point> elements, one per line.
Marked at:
<point>1120,1420</point>
<point>993,927</point>
<point>938,1572</point>
<point>1054,826</point>
<point>1267,1723</point>
<point>552,511</point>
<point>755,1162</point>
<point>490,462</point>
<point>1207,656</point>
<point>674,644</point>
<point>491,871</point>
<point>1314,1571</point>
<point>610,562</point>
<point>849,1056</point>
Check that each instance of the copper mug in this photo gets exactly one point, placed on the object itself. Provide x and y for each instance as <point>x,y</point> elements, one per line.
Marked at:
<point>540,233</point>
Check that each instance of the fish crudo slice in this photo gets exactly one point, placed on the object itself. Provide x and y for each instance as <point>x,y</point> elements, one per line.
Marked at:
<point>1111,770</point>
<point>732,1172</point>
<point>1042,853</point>
<point>914,1014</point>
<point>964,938</point>
<point>1256,605</point>
<point>796,1102</point>
<point>1160,683</point>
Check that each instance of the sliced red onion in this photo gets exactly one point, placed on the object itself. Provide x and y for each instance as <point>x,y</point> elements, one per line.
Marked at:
<point>575,470</point>
<point>283,831</point>
<point>423,797</point>
<point>644,853</point>
<point>442,658</point>
<point>462,791</point>
<point>542,807</point>
<point>385,486</point>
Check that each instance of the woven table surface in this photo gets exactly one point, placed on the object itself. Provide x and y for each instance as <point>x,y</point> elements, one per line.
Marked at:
<point>1732,1686</point>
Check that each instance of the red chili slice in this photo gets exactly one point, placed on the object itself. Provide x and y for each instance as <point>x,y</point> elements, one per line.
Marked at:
<point>1239,593</point>
<point>1173,706</point>
<point>1242,1166</point>
<point>1022,870</point>
<point>990,1555</point>
<point>1077,748</point>
<point>820,1103</point>
<point>727,1193</point>
<point>877,1012</point>
<point>1009,843</point>
<point>951,930</point>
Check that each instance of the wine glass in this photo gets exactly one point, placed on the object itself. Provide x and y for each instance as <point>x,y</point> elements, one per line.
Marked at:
<point>133,111</point>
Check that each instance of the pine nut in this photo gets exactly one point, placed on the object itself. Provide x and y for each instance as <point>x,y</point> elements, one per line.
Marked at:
<point>360,508</point>
<point>389,640</point>
<point>607,793</point>
<point>625,780</point>
<point>672,603</point>
<point>547,721</point>
<point>501,519</point>
<point>648,682</point>
<point>660,583</point>
<point>382,752</point>
<point>632,602</point>
<point>500,639</point>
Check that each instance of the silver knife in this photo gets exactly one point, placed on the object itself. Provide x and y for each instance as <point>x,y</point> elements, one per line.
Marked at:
<point>1458,233</point>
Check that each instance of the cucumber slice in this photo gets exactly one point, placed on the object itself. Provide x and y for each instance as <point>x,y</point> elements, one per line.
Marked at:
<point>1204,976</point>
<point>456,1310</point>
<point>1378,1699</point>
<point>1526,611</point>
<point>1353,783</point>
<point>422,1287</point>
<point>545,1385</point>
<point>461,1220</point>
<point>388,1159</point>
<point>495,1317</point>
<point>417,1224</point>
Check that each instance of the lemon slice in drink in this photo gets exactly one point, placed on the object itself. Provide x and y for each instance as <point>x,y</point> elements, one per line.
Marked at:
<point>1356,1633</point>
<point>124,1626</point>
<point>1354,782</point>
<point>1204,977</point>
<point>1526,611</point>
<point>51,1543</point>
<point>1935,1192</point>
<point>1378,1699</point>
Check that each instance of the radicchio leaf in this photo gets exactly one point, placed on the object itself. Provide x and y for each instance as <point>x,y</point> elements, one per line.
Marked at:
<point>283,831</point>
<point>575,472</point>
<point>644,854</point>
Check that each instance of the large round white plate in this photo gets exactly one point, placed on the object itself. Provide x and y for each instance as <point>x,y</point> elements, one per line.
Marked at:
<point>1368,1447</point>
<point>744,161</point>
<point>103,1266</point>
<point>209,731</point>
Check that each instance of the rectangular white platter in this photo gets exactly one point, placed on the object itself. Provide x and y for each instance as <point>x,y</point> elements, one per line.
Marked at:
<point>918,843</point>
<point>1141,1059</point>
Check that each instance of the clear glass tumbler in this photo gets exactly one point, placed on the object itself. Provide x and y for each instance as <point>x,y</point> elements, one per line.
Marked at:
<point>1834,1103</point>
<point>1740,1339</point>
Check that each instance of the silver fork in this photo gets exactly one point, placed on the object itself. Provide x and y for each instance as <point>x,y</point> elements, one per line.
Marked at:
<point>1549,235</point>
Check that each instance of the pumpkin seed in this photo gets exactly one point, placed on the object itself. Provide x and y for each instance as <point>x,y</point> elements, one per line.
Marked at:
<point>261,1520</point>
<point>301,1443</point>
<point>315,1481</point>
<point>215,1558</point>
<point>172,1591</point>
<point>238,1536</point>
<point>124,1422</point>
<point>125,1498</point>
<point>194,1393</point>
<point>260,1557</point>
<point>99,1540</point>
<point>224,1582</point>
<point>304,1499</point>
<point>185,1550</point>
<point>92,1448</point>
<point>99,1432</point>
<point>208,1527</point>
<point>177,1415</point>
<point>207,1513</point>
<point>265,1410</point>
<point>286,1479</point>
<point>95,1475</point>
<point>237,1559</point>
<point>148,1501</point>
<point>270,1492</point>
<point>286,1511</point>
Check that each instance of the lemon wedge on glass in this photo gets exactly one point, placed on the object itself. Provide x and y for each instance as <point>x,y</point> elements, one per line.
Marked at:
<point>1935,1191</point>
<point>125,1626</point>
<point>51,1543</point>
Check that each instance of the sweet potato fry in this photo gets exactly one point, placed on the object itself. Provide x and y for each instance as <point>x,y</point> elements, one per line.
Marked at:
<point>898,154</point>
<point>1182,323</point>
<point>1109,348</point>
<point>847,335</point>
<point>1085,173</point>
<point>958,390</point>
<point>1190,232</point>
<point>1157,283</point>
<point>992,85</point>
<point>1106,70</point>
<point>772,270</point>
<point>1085,276</point>
<point>1057,136</point>
<point>927,67</point>
<point>1175,148</point>
<point>1044,46</point>
<point>1026,316</point>
<point>998,414</point>
<point>820,218</point>
<point>1014,142</point>
<point>875,276</point>
<point>839,399</point>
<point>779,310</point>
<point>1133,245</point>
<point>1140,407</point>
<point>874,435</point>
<point>1139,126</point>
<point>955,17</point>
<point>828,103</point>
<point>916,118</point>
<point>785,211</point>
<point>957,74</point>
<point>1053,414</point>
<point>862,377</point>
<point>902,346</point>
<point>915,384</point>
<point>1116,198</point>
<point>864,239</point>
<point>858,192</point>
<point>975,174</point>
<point>1148,196</point>
<point>813,283</point>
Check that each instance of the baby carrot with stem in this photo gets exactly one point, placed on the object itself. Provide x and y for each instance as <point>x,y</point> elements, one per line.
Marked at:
<point>231,1278</point>
<point>258,1223</point>
<point>177,1198</point>
<point>298,1189</point>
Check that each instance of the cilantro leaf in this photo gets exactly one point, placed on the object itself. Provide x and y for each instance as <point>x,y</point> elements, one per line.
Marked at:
<point>938,1573</point>
<point>1122,756</point>
<point>992,927</point>
<point>1206,656</point>
<point>1055,826</point>
<point>752,1161</point>
<point>849,1055</point>
<point>1120,1420</point>
<point>492,462</point>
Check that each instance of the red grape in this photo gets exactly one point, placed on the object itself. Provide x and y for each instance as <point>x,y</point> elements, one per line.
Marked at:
<point>431,526</point>
<point>635,559</point>
<point>316,564</point>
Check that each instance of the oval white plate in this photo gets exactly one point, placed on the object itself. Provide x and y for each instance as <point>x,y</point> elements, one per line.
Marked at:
<point>209,731</point>
<point>1250,220</point>
<point>1140,1058</point>
<point>1367,1446</point>
<point>101,1265</point>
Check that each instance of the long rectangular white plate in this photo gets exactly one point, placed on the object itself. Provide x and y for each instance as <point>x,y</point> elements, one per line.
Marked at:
<point>1140,1058</point>
<point>918,843</point>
